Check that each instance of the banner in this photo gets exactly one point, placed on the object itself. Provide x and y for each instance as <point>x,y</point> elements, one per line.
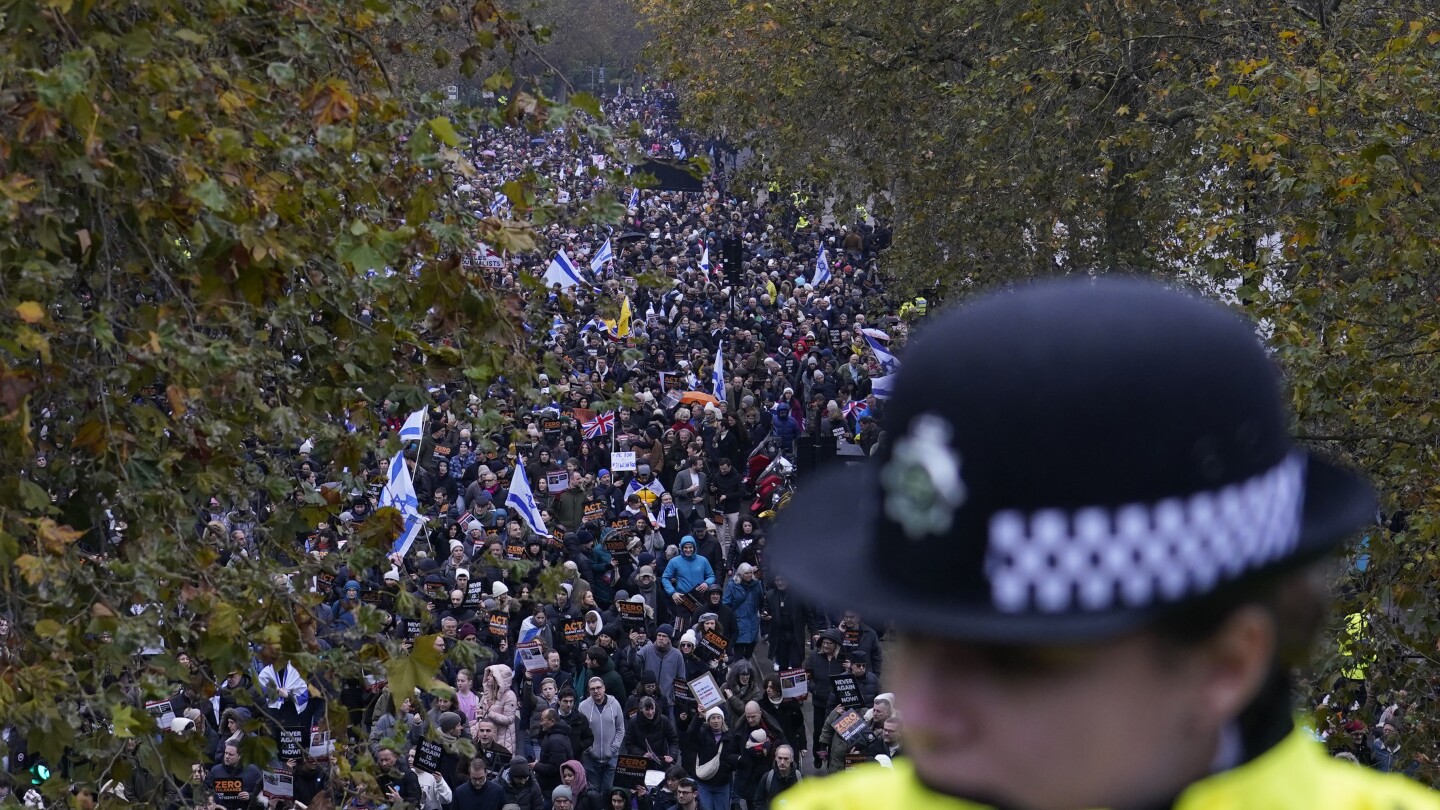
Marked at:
<point>163,713</point>
<point>630,771</point>
<point>794,683</point>
<point>558,481</point>
<point>681,690</point>
<point>291,742</point>
<point>712,646</point>
<point>427,756</point>
<point>850,726</point>
<point>499,623</point>
<point>532,656</point>
<point>573,630</point>
<point>707,693</point>
<point>474,595</point>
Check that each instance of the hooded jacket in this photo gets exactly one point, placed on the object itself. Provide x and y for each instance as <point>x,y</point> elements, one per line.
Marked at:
<point>684,575</point>
<point>502,707</point>
<point>746,599</point>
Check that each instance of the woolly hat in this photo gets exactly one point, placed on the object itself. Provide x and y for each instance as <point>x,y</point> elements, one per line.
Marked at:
<point>561,792</point>
<point>666,630</point>
<point>499,589</point>
<point>688,637</point>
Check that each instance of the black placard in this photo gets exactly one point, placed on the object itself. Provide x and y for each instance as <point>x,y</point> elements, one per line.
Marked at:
<point>712,646</point>
<point>632,614</point>
<point>228,790</point>
<point>847,691</point>
<point>427,756</point>
<point>630,771</point>
<point>681,690</point>
<point>474,595</point>
<point>551,425</point>
<point>850,726</point>
<point>292,742</point>
<point>499,623</point>
<point>594,510</point>
<point>573,630</point>
<point>514,551</point>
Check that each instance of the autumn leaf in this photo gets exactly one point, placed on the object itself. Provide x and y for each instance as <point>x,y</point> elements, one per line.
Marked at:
<point>55,538</point>
<point>30,311</point>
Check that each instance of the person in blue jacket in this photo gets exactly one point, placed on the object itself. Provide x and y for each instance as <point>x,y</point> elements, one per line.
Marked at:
<point>745,595</point>
<point>685,573</point>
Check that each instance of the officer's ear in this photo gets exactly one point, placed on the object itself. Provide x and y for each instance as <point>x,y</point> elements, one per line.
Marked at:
<point>1236,660</point>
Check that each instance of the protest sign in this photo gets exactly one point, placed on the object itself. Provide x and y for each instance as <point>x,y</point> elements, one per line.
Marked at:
<point>712,646</point>
<point>794,683</point>
<point>623,461</point>
<point>532,656</point>
<point>682,691</point>
<point>474,595</point>
<point>573,630</point>
<point>551,424</point>
<point>707,693</point>
<point>427,756</point>
<point>630,771</point>
<point>855,758</point>
<point>847,691</point>
<point>851,640</point>
<point>850,726</point>
<point>290,742</point>
<point>321,746</point>
<point>279,784</point>
<point>689,602</point>
<point>228,790</point>
<point>163,713</point>
<point>499,623</point>
<point>514,550</point>
<point>558,481</point>
<point>593,511</point>
<point>324,584</point>
<point>434,591</point>
<point>632,614</point>
<point>617,542</point>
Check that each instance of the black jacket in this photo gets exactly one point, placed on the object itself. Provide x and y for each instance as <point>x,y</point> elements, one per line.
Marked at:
<point>705,747</point>
<point>655,738</point>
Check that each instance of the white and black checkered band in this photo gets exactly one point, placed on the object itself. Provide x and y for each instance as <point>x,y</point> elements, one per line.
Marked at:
<point>1138,555</point>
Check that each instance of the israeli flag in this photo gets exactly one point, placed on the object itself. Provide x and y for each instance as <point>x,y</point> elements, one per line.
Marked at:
<point>399,492</point>
<point>523,502</point>
<point>717,374</point>
<point>634,195</point>
<point>603,255</point>
<point>883,387</point>
<point>889,363</point>
<point>705,260</point>
<point>822,269</point>
<point>414,428</point>
<point>678,149</point>
<point>501,201</point>
<point>562,271</point>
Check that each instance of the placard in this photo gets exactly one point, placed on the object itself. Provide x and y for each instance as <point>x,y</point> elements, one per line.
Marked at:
<point>850,726</point>
<point>851,640</point>
<point>532,657</point>
<point>321,746</point>
<point>414,628</point>
<point>324,584</point>
<point>514,551</point>
<point>499,623</point>
<point>856,758</point>
<point>279,783</point>
<point>427,755</point>
<point>474,594</point>
<point>228,790</point>
<point>291,742</point>
<point>622,461</point>
<point>847,691</point>
<point>689,602</point>
<point>558,481</point>
<point>163,713</point>
<point>573,630</point>
<point>681,690</point>
<point>435,591</point>
<point>616,543</point>
<point>707,693</point>
<point>712,646</point>
<point>632,614</point>
<point>630,771</point>
<point>551,424</point>
<point>622,521</point>
<point>594,510</point>
<point>673,381</point>
<point>794,683</point>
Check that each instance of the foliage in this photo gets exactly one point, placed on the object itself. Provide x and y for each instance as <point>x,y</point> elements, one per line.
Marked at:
<point>1280,155</point>
<point>226,227</point>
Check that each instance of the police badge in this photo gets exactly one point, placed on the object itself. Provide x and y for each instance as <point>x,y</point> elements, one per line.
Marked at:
<point>922,479</point>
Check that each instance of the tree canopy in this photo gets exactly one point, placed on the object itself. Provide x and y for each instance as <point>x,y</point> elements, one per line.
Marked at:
<point>226,229</point>
<point>1280,155</point>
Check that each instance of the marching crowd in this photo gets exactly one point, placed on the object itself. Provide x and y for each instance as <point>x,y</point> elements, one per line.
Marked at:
<point>605,545</point>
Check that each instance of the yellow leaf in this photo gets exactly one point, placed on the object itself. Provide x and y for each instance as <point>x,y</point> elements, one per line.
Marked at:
<point>55,538</point>
<point>47,628</point>
<point>30,311</point>
<point>176,395</point>
<point>1123,109</point>
<point>31,568</point>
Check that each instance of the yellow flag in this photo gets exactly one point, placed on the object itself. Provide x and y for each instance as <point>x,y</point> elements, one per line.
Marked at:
<point>623,328</point>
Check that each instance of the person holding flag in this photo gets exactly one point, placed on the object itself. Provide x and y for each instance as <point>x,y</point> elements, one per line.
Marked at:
<point>522,501</point>
<point>822,269</point>
<point>705,259</point>
<point>399,492</point>
<point>602,256</point>
<point>717,374</point>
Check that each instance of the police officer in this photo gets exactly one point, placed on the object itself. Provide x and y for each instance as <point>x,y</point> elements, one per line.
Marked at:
<point>1093,532</point>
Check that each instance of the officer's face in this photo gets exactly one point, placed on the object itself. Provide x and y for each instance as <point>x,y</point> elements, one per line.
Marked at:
<point>978,716</point>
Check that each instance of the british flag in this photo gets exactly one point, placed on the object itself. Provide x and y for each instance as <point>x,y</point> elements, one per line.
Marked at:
<point>599,426</point>
<point>856,408</point>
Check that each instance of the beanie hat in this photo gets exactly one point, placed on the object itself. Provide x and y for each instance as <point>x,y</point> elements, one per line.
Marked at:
<point>705,617</point>
<point>666,630</point>
<point>561,792</point>
<point>688,637</point>
<point>713,710</point>
<point>499,589</point>
<point>448,721</point>
<point>519,767</point>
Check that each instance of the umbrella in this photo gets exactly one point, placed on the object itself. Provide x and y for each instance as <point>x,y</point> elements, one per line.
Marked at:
<point>489,153</point>
<point>698,398</point>
<point>629,235</point>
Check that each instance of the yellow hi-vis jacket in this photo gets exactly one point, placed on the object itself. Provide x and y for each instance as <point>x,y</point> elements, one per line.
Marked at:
<point>1294,775</point>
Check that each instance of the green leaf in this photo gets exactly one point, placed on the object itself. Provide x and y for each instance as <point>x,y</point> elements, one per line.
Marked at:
<point>208,193</point>
<point>445,131</point>
<point>128,721</point>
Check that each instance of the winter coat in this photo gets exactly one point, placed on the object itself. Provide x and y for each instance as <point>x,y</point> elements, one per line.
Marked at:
<point>501,706</point>
<point>791,719</point>
<point>704,746</point>
<point>683,575</point>
<point>652,738</point>
<point>746,599</point>
<point>667,667</point>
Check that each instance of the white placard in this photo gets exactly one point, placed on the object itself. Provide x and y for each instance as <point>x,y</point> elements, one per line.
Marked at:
<point>623,462</point>
<point>794,683</point>
<point>706,691</point>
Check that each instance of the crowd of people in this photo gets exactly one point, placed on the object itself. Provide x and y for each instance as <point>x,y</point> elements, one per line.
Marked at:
<point>637,649</point>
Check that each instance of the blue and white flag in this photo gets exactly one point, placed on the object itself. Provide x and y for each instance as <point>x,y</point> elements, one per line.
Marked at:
<point>562,271</point>
<point>634,195</point>
<point>603,255</point>
<point>522,501</point>
<point>822,269</point>
<point>717,374</point>
<point>889,363</point>
<point>500,203</point>
<point>882,387</point>
<point>414,428</point>
<point>678,149</point>
<point>705,259</point>
<point>399,492</point>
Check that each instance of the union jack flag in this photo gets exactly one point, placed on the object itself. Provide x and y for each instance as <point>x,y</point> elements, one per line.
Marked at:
<point>599,426</point>
<point>856,408</point>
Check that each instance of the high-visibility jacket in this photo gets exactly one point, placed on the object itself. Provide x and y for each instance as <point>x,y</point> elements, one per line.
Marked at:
<point>1294,775</point>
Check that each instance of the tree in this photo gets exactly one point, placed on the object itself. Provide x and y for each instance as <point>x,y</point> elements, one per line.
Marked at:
<point>228,228</point>
<point>1280,155</point>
